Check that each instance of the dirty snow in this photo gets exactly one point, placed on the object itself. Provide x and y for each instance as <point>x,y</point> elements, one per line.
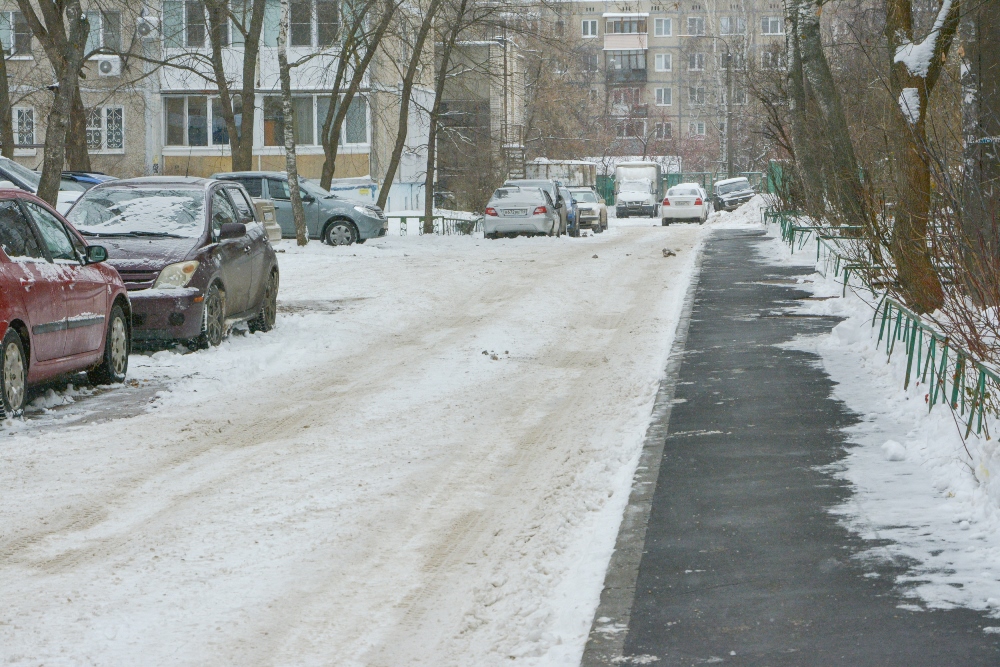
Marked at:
<point>425,463</point>
<point>934,498</point>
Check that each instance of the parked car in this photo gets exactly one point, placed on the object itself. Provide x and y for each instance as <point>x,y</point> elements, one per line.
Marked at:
<point>550,187</point>
<point>591,210</point>
<point>331,218</point>
<point>570,203</point>
<point>63,310</point>
<point>685,201</point>
<point>730,194</point>
<point>191,252</point>
<point>81,181</point>
<point>517,209</point>
<point>25,179</point>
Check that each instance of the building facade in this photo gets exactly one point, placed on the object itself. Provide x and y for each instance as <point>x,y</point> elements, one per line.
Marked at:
<point>664,71</point>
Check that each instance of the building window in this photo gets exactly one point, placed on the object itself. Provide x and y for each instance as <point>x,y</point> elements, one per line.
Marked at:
<point>626,96</point>
<point>105,31</point>
<point>664,62</point>
<point>662,28</point>
<point>193,121</point>
<point>662,131</point>
<point>184,24</point>
<point>274,121</point>
<point>696,62</point>
<point>625,26</point>
<point>15,35</point>
<point>589,28</point>
<point>626,60</point>
<point>739,96</point>
<point>24,126</point>
<point>312,22</point>
<point>696,129</point>
<point>591,62</point>
<point>106,128</point>
<point>696,95</point>
<point>772,60</point>
<point>696,25</point>
<point>664,97</point>
<point>630,128</point>
<point>737,59</point>
<point>729,25</point>
<point>770,25</point>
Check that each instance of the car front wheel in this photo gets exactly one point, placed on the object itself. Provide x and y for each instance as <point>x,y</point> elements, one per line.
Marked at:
<point>214,327</point>
<point>14,375</point>
<point>114,364</point>
<point>340,232</point>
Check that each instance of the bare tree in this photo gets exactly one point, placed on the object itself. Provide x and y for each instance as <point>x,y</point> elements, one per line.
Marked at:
<point>6,112</point>
<point>288,113</point>
<point>64,41</point>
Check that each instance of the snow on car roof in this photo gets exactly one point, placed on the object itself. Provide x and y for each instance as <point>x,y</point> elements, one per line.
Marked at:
<point>732,180</point>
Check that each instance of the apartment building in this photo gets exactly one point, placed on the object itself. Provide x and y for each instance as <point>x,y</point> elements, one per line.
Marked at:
<point>663,69</point>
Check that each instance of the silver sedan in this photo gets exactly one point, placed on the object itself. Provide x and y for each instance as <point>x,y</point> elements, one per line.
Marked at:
<point>520,210</point>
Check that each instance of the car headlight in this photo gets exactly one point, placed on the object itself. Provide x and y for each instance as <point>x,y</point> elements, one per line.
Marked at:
<point>176,275</point>
<point>364,210</point>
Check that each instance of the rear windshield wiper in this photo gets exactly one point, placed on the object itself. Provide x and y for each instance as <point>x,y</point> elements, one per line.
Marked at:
<point>163,235</point>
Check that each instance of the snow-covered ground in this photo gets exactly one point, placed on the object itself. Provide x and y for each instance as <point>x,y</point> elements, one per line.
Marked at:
<point>425,463</point>
<point>935,498</point>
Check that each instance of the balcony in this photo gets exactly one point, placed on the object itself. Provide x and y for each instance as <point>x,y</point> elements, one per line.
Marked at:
<point>625,75</point>
<point>626,42</point>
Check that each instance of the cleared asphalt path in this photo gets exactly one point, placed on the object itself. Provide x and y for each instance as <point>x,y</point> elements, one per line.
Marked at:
<point>732,556</point>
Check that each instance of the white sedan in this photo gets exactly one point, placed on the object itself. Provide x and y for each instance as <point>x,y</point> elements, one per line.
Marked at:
<point>685,201</point>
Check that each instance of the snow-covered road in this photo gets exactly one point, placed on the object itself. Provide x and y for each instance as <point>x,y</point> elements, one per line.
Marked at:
<point>424,464</point>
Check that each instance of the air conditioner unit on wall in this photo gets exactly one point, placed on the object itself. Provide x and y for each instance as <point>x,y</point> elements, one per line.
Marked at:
<point>109,66</point>
<point>147,27</point>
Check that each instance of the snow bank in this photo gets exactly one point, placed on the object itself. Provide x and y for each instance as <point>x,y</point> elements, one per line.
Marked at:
<point>931,499</point>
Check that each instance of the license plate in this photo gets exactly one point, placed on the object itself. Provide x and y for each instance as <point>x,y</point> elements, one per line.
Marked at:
<point>682,202</point>
<point>515,211</point>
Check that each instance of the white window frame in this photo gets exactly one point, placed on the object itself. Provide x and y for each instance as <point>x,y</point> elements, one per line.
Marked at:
<point>699,62</point>
<point>588,28</point>
<point>727,23</point>
<point>104,113</point>
<point>696,128</point>
<point>696,21</point>
<point>8,17</point>
<point>698,99</point>
<point>769,29</point>
<point>663,62</point>
<point>772,60</point>
<point>663,130</point>
<point>664,97</point>
<point>98,16</point>
<point>663,27</point>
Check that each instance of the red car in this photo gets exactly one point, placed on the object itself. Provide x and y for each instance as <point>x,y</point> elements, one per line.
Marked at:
<point>61,310</point>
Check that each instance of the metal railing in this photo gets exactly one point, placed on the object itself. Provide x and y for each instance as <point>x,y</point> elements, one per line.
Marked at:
<point>443,225</point>
<point>931,356</point>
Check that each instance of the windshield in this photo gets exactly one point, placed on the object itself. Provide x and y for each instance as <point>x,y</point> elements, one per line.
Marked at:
<point>23,173</point>
<point>635,186</point>
<point>585,196</point>
<point>733,187</point>
<point>506,193</point>
<point>138,211</point>
<point>682,192</point>
<point>313,188</point>
<point>68,185</point>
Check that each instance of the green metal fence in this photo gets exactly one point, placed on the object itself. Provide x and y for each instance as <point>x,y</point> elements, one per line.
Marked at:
<point>606,189</point>
<point>952,375</point>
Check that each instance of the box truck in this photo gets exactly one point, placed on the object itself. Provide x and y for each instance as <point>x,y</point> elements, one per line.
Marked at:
<point>637,189</point>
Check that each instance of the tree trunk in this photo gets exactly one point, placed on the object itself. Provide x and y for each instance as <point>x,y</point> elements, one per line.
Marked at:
<point>435,114</point>
<point>804,148</point>
<point>77,155</point>
<point>65,53</point>
<point>981,121</point>
<point>404,102</point>
<point>847,192</point>
<point>337,113</point>
<point>6,114</point>
<point>288,113</point>
<point>910,83</point>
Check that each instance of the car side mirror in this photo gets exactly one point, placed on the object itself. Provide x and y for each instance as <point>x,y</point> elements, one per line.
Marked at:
<point>308,199</point>
<point>232,230</point>
<point>96,254</point>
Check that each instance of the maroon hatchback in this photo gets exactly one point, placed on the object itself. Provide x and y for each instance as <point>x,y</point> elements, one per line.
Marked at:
<point>191,251</point>
<point>61,310</point>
